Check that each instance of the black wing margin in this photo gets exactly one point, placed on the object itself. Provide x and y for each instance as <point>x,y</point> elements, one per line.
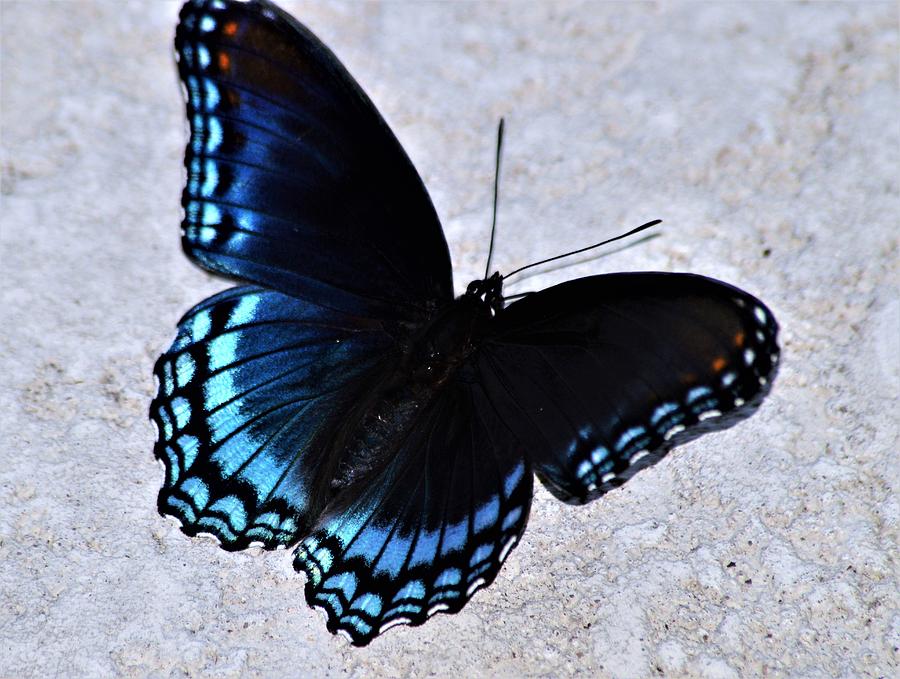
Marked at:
<point>295,182</point>
<point>601,376</point>
<point>428,530</point>
<point>251,395</point>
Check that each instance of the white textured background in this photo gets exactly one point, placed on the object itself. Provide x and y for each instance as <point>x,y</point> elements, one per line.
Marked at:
<point>765,134</point>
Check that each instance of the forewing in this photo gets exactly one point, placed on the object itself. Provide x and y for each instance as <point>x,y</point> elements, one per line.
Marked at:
<point>601,376</point>
<point>430,529</point>
<point>295,182</point>
<point>251,394</point>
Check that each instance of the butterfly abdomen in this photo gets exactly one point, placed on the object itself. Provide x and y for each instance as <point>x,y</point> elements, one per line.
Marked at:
<point>374,439</point>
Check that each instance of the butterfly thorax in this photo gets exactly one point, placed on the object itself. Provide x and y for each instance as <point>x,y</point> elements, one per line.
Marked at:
<point>449,337</point>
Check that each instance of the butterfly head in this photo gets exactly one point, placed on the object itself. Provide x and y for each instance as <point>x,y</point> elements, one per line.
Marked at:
<point>488,290</point>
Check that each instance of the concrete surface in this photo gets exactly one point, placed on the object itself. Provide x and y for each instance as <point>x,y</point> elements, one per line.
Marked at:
<point>766,135</point>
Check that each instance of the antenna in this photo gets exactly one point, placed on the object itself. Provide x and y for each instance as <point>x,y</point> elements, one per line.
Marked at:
<point>591,258</point>
<point>589,247</point>
<point>487,268</point>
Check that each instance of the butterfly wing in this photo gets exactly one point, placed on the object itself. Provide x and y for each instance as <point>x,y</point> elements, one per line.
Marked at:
<point>601,376</point>
<point>295,182</point>
<point>250,395</point>
<point>429,529</point>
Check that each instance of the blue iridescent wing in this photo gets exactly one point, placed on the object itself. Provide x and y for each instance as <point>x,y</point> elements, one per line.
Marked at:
<point>429,529</point>
<point>295,182</point>
<point>600,377</point>
<point>250,394</point>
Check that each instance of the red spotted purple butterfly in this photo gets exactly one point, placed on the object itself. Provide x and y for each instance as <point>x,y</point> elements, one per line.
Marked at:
<point>341,400</point>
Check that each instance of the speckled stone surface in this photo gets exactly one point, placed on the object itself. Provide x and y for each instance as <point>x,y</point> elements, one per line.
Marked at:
<point>766,136</point>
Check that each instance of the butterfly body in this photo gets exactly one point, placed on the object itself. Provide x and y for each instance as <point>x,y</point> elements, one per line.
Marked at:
<point>414,375</point>
<point>341,400</point>
<point>453,333</point>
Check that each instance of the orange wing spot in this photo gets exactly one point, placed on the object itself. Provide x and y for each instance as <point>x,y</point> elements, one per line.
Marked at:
<point>224,61</point>
<point>230,29</point>
<point>719,364</point>
<point>739,338</point>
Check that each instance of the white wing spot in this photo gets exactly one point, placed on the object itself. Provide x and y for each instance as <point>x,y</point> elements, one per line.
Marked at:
<point>677,429</point>
<point>475,585</point>
<point>436,608</point>
<point>393,623</point>
<point>708,414</point>
<point>638,456</point>
<point>606,478</point>
<point>508,546</point>
<point>760,315</point>
<point>211,537</point>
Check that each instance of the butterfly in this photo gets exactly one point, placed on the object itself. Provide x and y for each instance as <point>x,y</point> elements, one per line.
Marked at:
<point>342,401</point>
